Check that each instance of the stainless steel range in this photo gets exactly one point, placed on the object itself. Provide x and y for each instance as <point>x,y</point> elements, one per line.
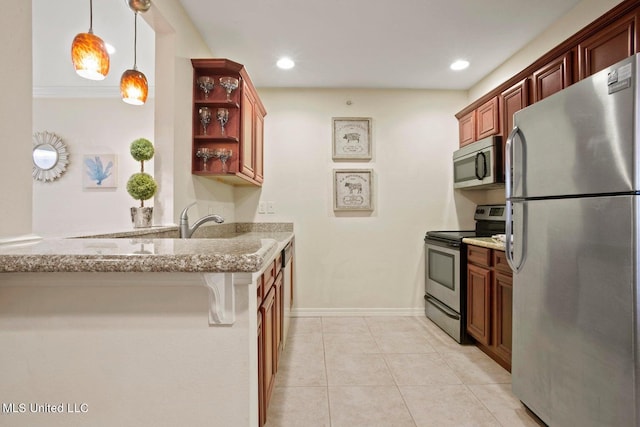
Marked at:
<point>446,266</point>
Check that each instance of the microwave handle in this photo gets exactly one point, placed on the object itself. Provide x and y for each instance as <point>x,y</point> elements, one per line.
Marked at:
<point>484,165</point>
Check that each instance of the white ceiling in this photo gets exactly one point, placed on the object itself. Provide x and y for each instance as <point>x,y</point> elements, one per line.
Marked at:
<point>346,43</point>
<point>371,43</point>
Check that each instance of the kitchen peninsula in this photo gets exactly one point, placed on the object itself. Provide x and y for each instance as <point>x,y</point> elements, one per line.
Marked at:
<point>134,330</point>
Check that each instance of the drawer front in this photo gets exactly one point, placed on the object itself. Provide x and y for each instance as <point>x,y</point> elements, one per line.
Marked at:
<point>479,255</point>
<point>268,277</point>
<point>500,262</point>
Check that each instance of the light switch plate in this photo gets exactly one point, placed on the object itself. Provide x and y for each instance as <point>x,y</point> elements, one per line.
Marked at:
<point>271,207</point>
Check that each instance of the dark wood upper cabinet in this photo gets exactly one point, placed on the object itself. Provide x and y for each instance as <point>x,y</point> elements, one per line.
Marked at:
<point>607,47</point>
<point>482,122</point>
<point>605,41</point>
<point>512,100</point>
<point>243,132</point>
<point>467,128</point>
<point>552,77</point>
<point>488,119</point>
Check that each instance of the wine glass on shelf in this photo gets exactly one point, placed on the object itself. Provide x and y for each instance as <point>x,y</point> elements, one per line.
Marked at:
<point>223,154</point>
<point>206,83</point>
<point>229,84</point>
<point>222,116</point>
<point>205,118</point>
<point>205,154</point>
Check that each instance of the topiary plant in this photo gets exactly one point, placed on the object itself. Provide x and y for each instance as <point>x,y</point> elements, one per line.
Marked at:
<point>141,186</point>
<point>142,150</point>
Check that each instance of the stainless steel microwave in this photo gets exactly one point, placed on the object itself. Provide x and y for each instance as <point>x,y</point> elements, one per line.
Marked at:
<point>479,165</point>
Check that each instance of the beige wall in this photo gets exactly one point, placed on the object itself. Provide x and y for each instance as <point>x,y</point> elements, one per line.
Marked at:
<point>347,263</point>
<point>15,119</point>
<point>108,125</point>
<point>64,207</point>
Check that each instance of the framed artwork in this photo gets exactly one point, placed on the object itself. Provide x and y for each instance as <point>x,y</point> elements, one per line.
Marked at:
<point>352,189</point>
<point>351,138</point>
<point>100,171</point>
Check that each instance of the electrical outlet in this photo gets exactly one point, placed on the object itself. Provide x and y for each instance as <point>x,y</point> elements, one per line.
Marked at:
<point>271,207</point>
<point>261,207</point>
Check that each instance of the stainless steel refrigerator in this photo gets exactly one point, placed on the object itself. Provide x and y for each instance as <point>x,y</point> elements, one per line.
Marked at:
<point>572,241</point>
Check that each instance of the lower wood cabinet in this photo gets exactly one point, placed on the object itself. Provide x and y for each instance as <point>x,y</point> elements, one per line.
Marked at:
<point>262,416</point>
<point>479,303</point>
<point>270,333</point>
<point>268,312</point>
<point>490,302</point>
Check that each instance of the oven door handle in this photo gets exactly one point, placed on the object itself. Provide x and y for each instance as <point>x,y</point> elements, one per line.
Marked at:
<point>444,309</point>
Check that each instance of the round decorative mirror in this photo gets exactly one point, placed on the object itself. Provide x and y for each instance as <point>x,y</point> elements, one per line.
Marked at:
<point>50,156</point>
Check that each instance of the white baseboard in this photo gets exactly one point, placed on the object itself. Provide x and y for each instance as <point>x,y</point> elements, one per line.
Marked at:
<point>347,312</point>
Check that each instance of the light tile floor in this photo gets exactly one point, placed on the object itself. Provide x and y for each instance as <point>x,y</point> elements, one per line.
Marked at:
<point>388,371</point>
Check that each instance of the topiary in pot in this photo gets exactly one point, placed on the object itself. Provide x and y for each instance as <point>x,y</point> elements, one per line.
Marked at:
<point>141,186</point>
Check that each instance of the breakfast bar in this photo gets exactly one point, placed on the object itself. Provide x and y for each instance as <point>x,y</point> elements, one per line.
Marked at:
<point>133,330</point>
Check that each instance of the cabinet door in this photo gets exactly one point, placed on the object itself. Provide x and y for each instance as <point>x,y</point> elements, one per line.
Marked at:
<point>279,311</point>
<point>479,303</point>
<point>261,408</point>
<point>488,119</point>
<point>467,128</point>
<point>552,78</point>
<point>607,47</point>
<point>259,145</point>
<point>503,315</point>
<point>247,155</point>
<point>268,346</point>
<point>513,100</point>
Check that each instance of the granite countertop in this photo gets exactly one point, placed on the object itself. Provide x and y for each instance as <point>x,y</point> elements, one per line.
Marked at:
<point>485,242</point>
<point>235,251</point>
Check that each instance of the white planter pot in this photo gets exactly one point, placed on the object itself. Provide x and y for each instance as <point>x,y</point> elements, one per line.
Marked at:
<point>142,217</point>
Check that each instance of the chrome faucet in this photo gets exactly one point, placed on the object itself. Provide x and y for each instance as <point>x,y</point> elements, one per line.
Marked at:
<point>185,231</point>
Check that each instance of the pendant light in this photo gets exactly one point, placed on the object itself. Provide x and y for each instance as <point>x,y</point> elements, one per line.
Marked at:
<point>133,84</point>
<point>89,54</point>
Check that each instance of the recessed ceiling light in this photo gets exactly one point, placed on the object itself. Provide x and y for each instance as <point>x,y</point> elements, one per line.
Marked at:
<point>285,63</point>
<point>110,48</point>
<point>458,65</point>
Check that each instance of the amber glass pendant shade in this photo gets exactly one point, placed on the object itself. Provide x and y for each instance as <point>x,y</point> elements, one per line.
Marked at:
<point>90,57</point>
<point>134,87</point>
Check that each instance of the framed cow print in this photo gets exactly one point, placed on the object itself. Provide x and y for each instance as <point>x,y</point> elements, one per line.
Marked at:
<point>352,189</point>
<point>351,138</point>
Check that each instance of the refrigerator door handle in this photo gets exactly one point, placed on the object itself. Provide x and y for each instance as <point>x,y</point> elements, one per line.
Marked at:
<point>508,161</point>
<point>508,184</point>
<point>509,237</point>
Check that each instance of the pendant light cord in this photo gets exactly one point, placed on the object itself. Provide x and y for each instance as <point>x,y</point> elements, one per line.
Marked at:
<point>90,16</point>
<point>135,41</point>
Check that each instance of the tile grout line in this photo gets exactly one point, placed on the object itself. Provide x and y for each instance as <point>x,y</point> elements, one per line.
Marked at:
<point>326,371</point>
<point>395,381</point>
<point>482,403</point>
